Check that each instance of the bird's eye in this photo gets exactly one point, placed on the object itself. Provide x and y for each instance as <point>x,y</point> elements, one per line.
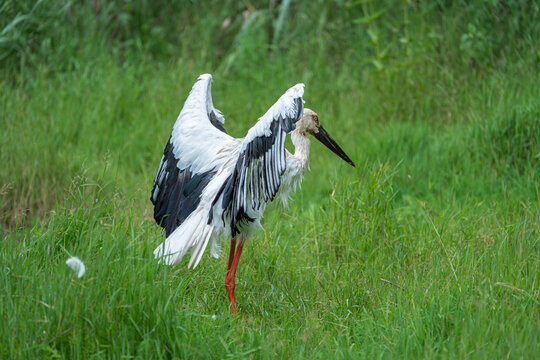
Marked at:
<point>316,119</point>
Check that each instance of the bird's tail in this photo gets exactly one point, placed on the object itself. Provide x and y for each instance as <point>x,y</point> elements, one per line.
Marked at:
<point>193,234</point>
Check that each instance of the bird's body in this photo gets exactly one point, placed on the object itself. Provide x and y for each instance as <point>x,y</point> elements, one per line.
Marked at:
<point>212,186</point>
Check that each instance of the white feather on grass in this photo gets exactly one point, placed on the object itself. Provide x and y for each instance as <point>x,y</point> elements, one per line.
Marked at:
<point>76,264</point>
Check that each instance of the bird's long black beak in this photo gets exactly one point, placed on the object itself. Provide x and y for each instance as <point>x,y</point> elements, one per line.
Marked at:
<point>327,140</point>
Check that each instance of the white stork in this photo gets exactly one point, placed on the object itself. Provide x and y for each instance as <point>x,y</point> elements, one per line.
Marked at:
<point>210,185</point>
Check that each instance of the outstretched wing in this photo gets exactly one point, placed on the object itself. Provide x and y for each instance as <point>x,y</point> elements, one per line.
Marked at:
<point>262,160</point>
<point>191,157</point>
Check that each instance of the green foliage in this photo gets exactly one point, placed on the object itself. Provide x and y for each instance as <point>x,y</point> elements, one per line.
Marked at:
<point>428,249</point>
<point>512,140</point>
<point>383,34</point>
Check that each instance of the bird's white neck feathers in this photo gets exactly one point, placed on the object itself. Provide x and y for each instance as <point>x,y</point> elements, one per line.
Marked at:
<point>301,148</point>
<point>297,165</point>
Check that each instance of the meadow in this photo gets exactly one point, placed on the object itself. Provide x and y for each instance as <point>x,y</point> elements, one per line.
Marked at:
<point>429,248</point>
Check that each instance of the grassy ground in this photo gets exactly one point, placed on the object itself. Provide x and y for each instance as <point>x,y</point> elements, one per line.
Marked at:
<point>428,249</point>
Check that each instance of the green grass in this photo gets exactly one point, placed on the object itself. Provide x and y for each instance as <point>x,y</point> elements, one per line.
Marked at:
<point>429,248</point>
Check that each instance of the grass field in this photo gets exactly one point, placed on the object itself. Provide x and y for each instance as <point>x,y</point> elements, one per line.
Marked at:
<point>429,248</point>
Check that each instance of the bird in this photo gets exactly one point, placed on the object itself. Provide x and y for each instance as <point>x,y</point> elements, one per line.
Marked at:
<point>211,186</point>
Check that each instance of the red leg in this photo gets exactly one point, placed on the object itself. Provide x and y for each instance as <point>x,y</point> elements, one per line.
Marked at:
<point>231,272</point>
<point>231,254</point>
<point>228,284</point>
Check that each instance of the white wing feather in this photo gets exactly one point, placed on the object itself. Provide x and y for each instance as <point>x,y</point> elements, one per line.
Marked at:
<point>76,264</point>
<point>197,143</point>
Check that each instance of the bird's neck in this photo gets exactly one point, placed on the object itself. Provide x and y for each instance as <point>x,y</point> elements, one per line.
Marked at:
<point>301,148</point>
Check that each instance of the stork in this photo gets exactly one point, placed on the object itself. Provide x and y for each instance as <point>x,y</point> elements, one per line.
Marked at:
<point>210,185</point>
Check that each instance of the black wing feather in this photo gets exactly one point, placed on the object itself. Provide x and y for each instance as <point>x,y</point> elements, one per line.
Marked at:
<point>261,159</point>
<point>176,193</point>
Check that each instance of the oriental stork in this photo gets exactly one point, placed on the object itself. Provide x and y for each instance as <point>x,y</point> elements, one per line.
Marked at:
<point>210,185</point>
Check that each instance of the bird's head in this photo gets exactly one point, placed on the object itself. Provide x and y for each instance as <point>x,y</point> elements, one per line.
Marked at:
<point>309,123</point>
